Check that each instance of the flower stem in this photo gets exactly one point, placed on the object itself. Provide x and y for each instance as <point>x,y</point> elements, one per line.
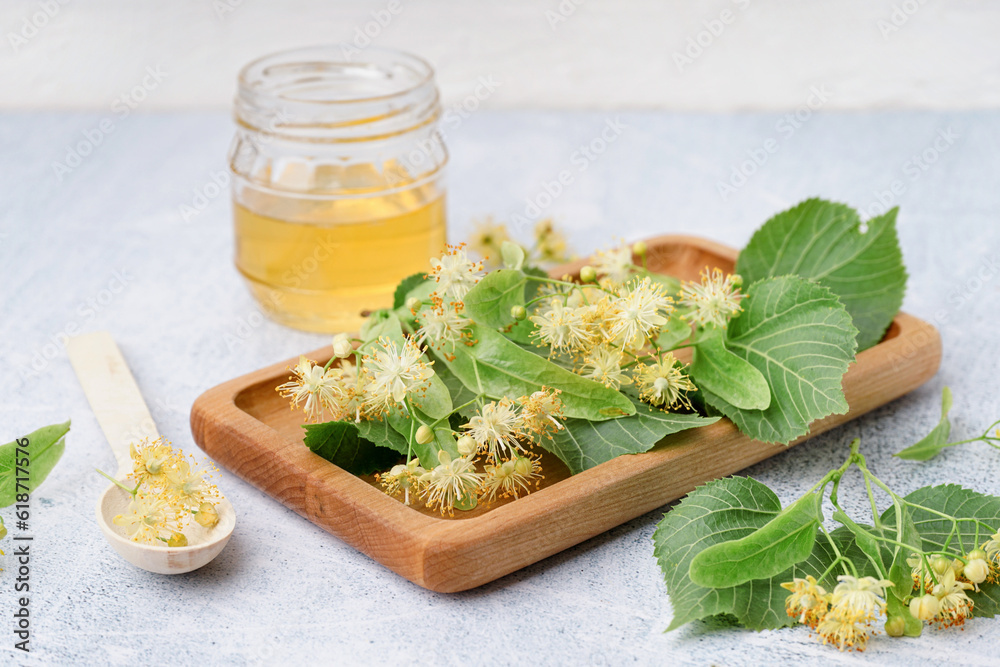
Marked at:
<point>114,481</point>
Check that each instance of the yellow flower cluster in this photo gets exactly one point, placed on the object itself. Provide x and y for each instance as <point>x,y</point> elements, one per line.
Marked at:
<point>844,617</point>
<point>499,437</point>
<point>549,244</point>
<point>169,493</point>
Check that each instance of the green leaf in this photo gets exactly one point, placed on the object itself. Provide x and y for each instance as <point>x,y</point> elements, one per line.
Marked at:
<point>420,291</point>
<point>44,449</point>
<point>782,542</point>
<point>504,369</point>
<point>512,255</point>
<point>381,433</point>
<point>864,538</point>
<point>436,401</point>
<point>340,444</point>
<point>899,571</point>
<point>673,333</point>
<point>490,301</point>
<point>728,376</point>
<point>583,444</point>
<point>405,286</point>
<point>460,394</point>
<point>798,335</point>
<point>717,512</point>
<point>825,241</point>
<point>932,444</point>
<point>960,503</point>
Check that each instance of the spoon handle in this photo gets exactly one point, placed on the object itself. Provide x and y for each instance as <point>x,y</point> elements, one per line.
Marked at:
<point>112,392</point>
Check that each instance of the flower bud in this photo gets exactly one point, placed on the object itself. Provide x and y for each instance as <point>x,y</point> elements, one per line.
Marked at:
<point>639,248</point>
<point>941,565</point>
<point>3,531</point>
<point>177,540</point>
<point>588,274</point>
<point>207,515</point>
<point>925,607</point>
<point>467,446</point>
<point>976,570</point>
<point>342,346</point>
<point>518,313</point>
<point>895,626</point>
<point>523,465</point>
<point>425,435</point>
<point>736,280</point>
<point>412,303</point>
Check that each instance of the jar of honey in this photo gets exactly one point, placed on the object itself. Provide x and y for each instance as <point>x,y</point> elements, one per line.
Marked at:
<point>337,182</point>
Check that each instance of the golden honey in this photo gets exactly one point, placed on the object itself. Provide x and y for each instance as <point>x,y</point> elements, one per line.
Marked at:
<point>338,183</point>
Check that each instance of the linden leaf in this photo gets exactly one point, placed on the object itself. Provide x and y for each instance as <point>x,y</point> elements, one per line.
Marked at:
<point>583,444</point>
<point>728,376</point>
<point>860,262</point>
<point>44,447</point>
<point>932,444</point>
<point>340,444</point>
<point>405,286</point>
<point>782,542</point>
<point>490,301</point>
<point>512,255</point>
<point>502,368</point>
<point>800,337</point>
<point>722,511</point>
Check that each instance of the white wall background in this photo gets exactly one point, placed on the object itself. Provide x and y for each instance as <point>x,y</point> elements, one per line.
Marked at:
<point>565,54</point>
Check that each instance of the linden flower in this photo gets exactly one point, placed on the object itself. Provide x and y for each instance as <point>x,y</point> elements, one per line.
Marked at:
<point>992,549</point>
<point>922,579</point>
<point>451,481</point>
<point>496,428</point>
<point>550,243</point>
<point>151,461</point>
<point>148,518</point>
<point>715,300</point>
<point>664,384</point>
<point>392,373</point>
<point>511,478</point>
<point>638,312</point>
<point>189,485</point>
<point>859,600</point>
<point>442,326</point>
<point>955,605</point>
<point>455,273</point>
<point>561,328</point>
<point>615,265</point>
<point>402,478</point>
<point>603,364</point>
<point>487,238</point>
<point>313,386</point>
<point>348,403</point>
<point>807,602</point>
<point>539,411</point>
<point>843,633</point>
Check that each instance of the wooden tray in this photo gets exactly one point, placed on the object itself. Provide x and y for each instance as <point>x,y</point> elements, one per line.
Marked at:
<point>247,427</point>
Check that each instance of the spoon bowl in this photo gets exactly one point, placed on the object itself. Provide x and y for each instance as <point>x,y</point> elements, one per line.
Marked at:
<point>204,543</point>
<point>114,396</point>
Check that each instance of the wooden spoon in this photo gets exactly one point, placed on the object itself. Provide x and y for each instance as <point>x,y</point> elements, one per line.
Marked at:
<point>124,418</point>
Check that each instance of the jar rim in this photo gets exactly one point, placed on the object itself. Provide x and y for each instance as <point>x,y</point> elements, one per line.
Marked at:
<point>253,73</point>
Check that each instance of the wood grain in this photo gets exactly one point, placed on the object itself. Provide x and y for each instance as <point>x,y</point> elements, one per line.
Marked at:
<point>245,426</point>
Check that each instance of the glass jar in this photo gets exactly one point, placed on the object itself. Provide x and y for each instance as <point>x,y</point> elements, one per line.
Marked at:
<point>337,184</point>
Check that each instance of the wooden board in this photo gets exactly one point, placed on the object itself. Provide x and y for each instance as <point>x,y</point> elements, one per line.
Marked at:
<point>245,426</point>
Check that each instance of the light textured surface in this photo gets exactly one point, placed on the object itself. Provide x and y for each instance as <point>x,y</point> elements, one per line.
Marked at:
<point>553,54</point>
<point>284,591</point>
